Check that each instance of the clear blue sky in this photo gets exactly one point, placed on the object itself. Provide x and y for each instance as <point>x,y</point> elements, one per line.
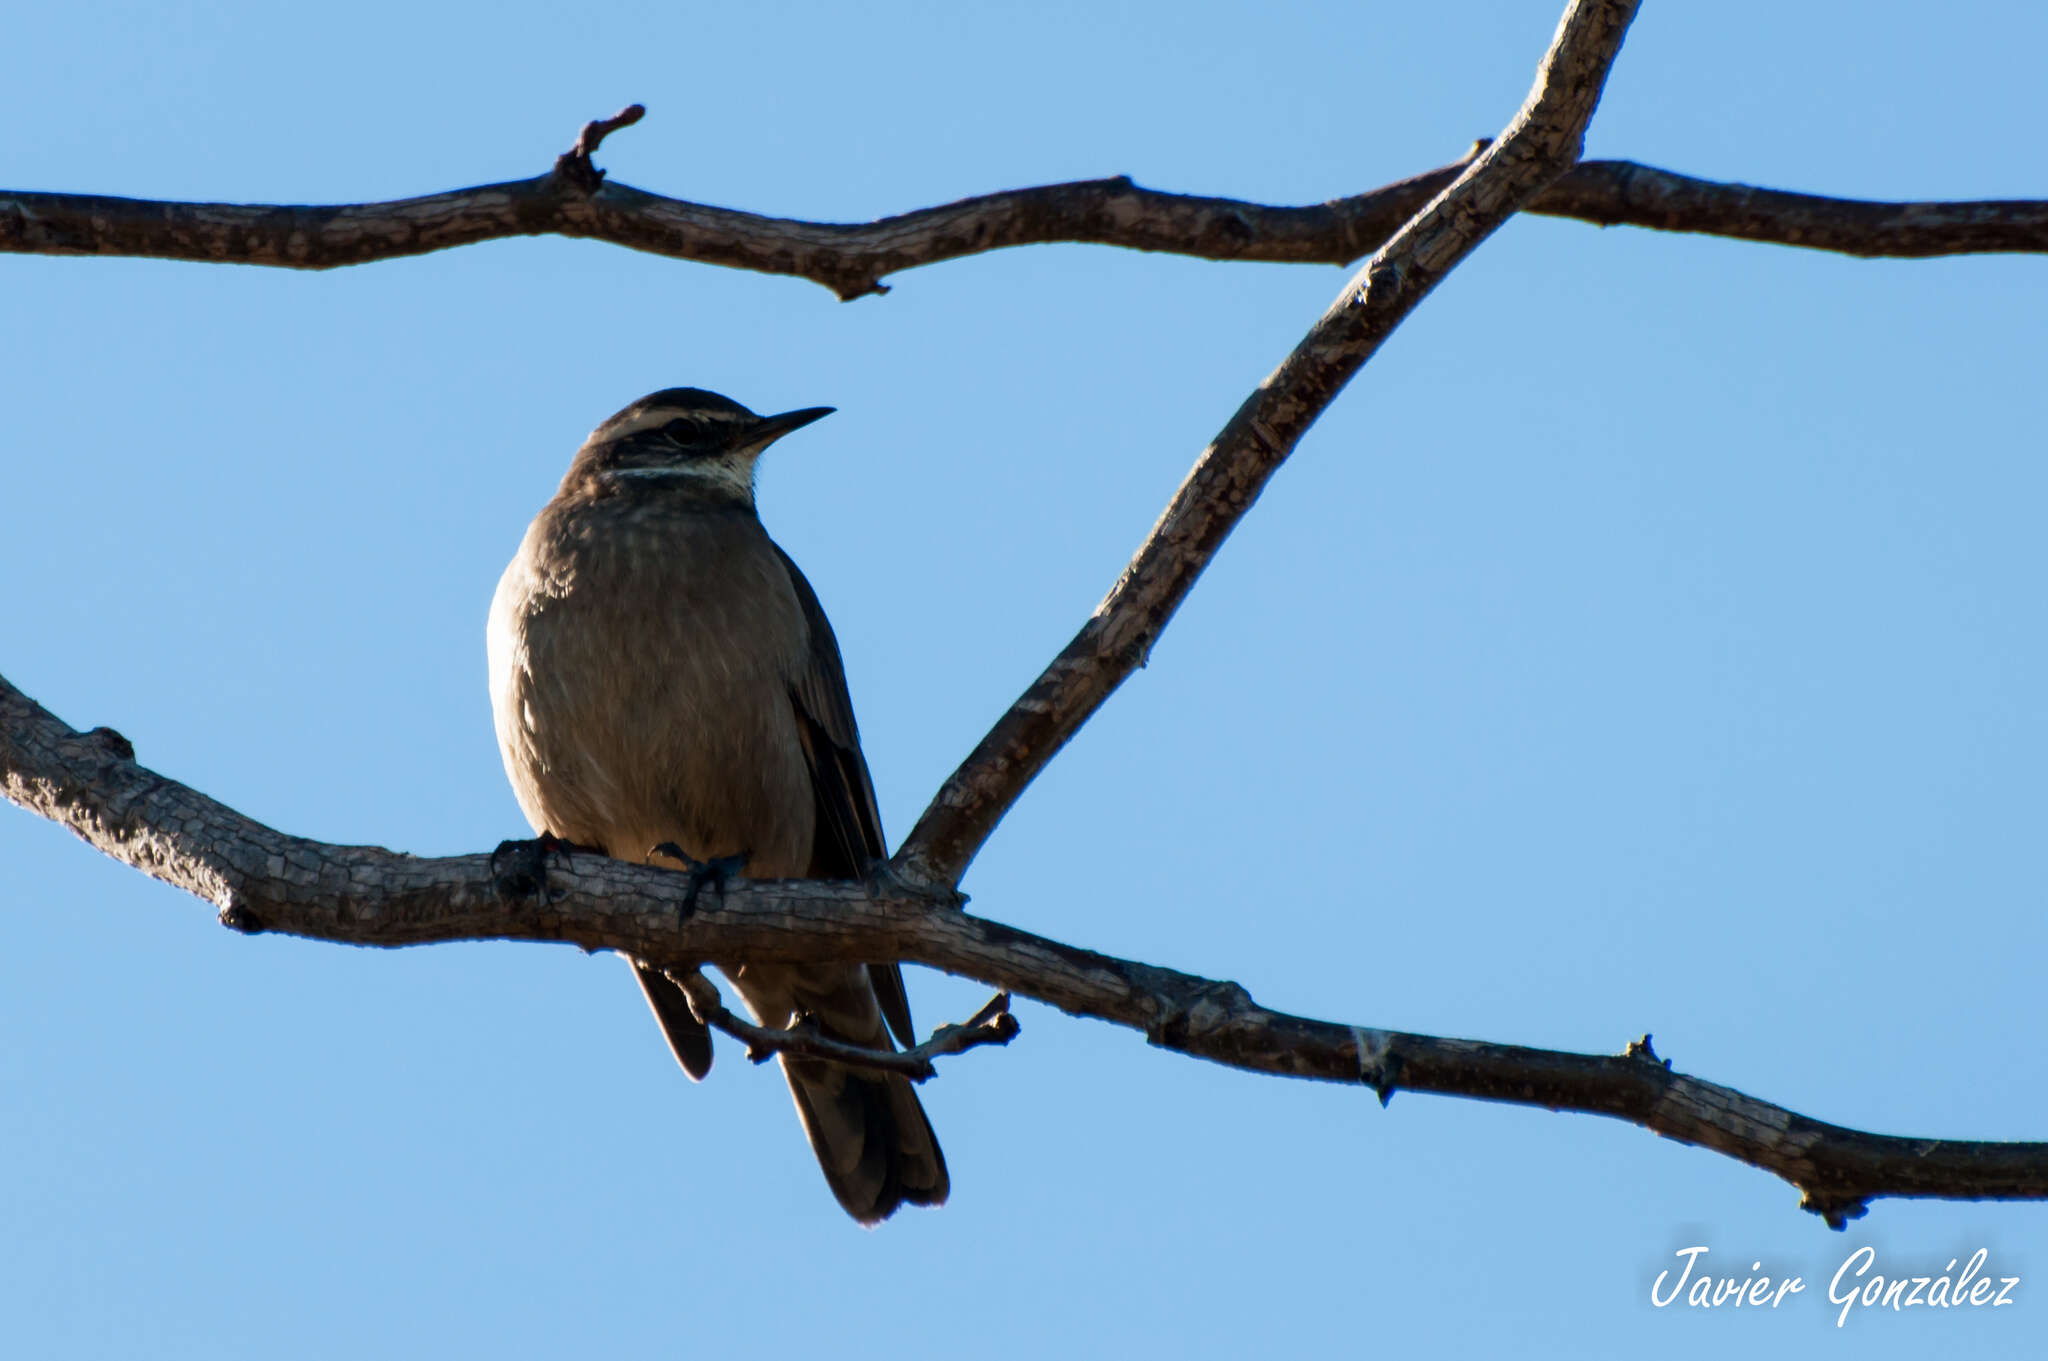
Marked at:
<point>1650,639</point>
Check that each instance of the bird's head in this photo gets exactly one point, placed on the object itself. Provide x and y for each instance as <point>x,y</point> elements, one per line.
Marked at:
<point>689,440</point>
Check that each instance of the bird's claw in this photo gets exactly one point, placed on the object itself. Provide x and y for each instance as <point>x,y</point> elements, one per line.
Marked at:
<point>519,869</point>
<point>716,872</point>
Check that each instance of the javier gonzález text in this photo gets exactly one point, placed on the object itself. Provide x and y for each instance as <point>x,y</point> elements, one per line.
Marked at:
<point>1857,1284</point>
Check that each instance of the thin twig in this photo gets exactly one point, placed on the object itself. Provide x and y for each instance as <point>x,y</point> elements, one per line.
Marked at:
<point>574,164</point>
<point>852,259</point>
<point>993,1024</point>
<point>597,129</point>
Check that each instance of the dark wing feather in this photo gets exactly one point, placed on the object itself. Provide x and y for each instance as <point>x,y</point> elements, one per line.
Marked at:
<point>688,1040</point>
<point>849,836</point>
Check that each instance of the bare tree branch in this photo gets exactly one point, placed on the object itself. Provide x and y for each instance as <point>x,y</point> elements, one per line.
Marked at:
<point>1541,143</point>
<point>853,258</point>
<point>992,1024</point>
<point>263,880</point>
<point>1622,193</point>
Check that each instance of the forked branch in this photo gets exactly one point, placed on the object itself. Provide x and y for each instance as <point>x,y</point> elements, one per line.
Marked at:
<point>1540,144</point>
<point>262,880</point>
<point>993,1024</point>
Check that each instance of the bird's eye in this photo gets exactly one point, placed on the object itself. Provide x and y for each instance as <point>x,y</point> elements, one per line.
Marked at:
<point>683,430</point>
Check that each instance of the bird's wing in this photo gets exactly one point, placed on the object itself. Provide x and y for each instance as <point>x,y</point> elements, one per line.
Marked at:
<point>688,1039</point>
<point>849,836</point>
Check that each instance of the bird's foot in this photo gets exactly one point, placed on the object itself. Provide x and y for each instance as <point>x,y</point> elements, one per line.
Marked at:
<point>716,873</point>
<point>519,869</point>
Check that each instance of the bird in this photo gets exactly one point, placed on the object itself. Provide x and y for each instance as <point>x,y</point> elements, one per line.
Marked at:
<point>663,676</point>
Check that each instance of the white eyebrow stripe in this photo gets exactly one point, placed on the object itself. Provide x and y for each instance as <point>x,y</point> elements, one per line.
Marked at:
<point>734,474</point>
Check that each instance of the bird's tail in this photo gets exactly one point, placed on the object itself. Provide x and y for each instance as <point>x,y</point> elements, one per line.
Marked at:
<point>871,1136</point>
<point>876,1147</point>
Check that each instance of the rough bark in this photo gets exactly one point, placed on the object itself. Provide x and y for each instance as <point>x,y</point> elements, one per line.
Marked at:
<point>1541,143</point>
<point>852,259</point>
<point>263,880</point>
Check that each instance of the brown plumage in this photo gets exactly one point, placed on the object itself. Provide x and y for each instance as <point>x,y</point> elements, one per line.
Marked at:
<point>662,672</point>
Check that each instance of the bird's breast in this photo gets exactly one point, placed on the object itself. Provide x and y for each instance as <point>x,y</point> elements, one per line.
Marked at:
<point>641,664</point>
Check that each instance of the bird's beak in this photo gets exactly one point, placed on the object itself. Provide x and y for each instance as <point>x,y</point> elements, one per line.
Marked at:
<point>769,429</point>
